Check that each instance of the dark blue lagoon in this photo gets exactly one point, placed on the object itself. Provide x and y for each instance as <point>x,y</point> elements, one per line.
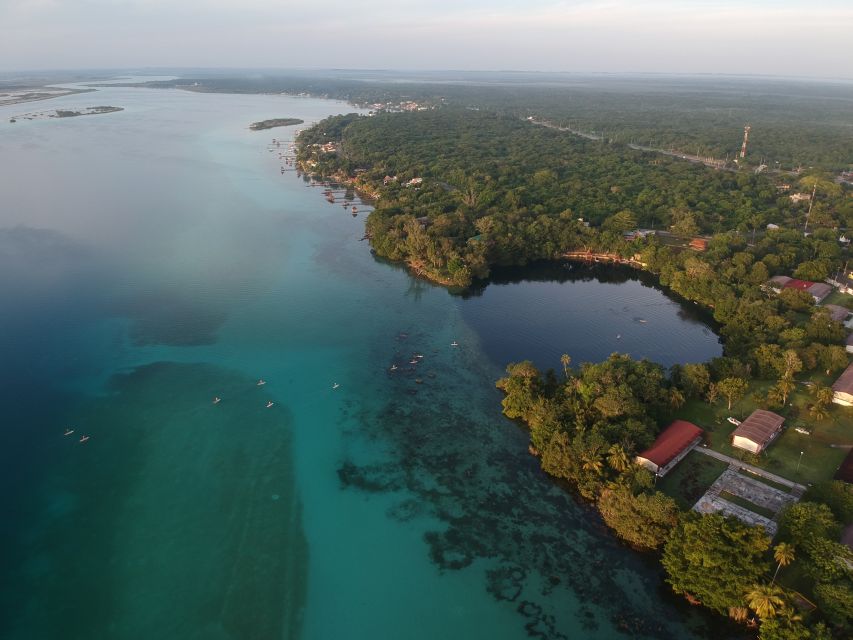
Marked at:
<point>155,259</point>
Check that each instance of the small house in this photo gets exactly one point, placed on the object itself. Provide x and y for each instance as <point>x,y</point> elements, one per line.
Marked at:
<point>670,447</point>
<point>842,390</point>
<point>699,244</point>
<point>837,312</point>
<point>777,283</point>
<point>756,432</point>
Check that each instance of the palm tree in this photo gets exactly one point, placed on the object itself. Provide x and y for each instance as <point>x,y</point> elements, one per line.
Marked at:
<point>592,462</point>
<point>823,398</point>
<point>738,614</point>
<point>617,458</point>
<point>676,398</point>
<point>566,360</point>
<point>783,553</point>
<point>765,600</point>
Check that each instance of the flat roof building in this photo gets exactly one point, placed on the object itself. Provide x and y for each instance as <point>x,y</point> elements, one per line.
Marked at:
<point>671,445</point>
<point>756,432</point>
<point>842,390</point>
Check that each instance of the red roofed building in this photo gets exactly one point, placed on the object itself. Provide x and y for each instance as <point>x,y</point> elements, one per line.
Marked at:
<point>802,285</point>
<point>819,290</point>
<point>670,447</point>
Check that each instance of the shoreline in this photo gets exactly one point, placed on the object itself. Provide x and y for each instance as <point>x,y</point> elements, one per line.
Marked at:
<point>38,96</point>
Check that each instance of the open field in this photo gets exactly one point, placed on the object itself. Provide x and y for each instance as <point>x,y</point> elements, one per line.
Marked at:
<point>822,451</point>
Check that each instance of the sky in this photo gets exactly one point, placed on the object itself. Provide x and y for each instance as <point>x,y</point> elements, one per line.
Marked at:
<point>774,37</point>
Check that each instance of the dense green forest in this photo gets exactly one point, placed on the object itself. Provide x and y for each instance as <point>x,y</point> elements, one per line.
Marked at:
<point>794,123</point>
<point>460,190</point>
<point>499,190</point>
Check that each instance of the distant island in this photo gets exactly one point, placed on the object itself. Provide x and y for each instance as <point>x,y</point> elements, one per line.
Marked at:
<point>275,122</point>
<point>65,113</point>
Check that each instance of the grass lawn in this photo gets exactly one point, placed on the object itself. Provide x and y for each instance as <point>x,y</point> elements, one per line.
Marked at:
<point>691,478</point>
<point>841,299</point>
<point>819,459</point>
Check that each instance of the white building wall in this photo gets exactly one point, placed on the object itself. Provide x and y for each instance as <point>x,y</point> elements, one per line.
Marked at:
<point>746,444</point>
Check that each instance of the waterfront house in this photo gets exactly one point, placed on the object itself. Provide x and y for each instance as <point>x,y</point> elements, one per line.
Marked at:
<point>670,447</point>
<point>842,390</point>
<point>756,432</point>
<point>818,290</point>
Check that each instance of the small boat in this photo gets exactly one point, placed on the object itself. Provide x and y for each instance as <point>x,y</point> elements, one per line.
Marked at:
<point>419,356</point>
<point>261,382</point>
<point>642,321</point>
<point>454,344</point>
<point>84,439</point>
<point>217,400</point>
<point>270,403</point>
<point>354,209</point>
<point>393,367</point>
<point>68,432</point>
<point>335,386</point>
<point>413,361</point>
<point>618,336</point>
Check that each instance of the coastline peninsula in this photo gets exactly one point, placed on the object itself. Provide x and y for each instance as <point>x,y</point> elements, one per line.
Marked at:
<point>273,123</point>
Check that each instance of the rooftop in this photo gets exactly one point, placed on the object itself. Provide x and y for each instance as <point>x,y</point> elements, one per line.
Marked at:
<point>760,426</point>
<point>671,441</point>
<point>844,384</point>
<point>803,285</point>
<point>836,312</point>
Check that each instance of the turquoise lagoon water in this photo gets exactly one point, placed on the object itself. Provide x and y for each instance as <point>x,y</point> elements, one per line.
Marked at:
<point>155,258</point>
